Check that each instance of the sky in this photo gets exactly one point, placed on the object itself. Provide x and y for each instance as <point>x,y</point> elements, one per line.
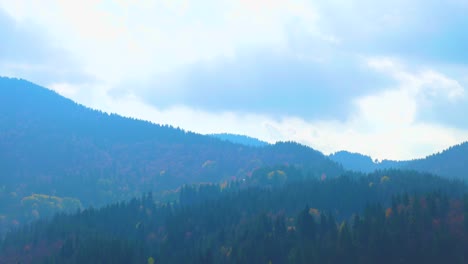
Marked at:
<point>383,78</point>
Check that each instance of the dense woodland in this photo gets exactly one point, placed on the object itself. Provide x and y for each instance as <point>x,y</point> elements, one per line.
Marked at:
<point>70,175</point>
<point>384,217</point>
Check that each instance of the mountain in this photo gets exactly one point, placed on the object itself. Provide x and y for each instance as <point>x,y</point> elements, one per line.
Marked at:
<point>450,163</point>
<point>241,139</point>
<point>281,203</point>
<point>55,153</point>
<point>359,162</point>
<point>354,161</point>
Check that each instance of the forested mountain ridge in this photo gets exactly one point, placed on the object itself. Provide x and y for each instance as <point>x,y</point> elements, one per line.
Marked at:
<point>451,163</point>
<point>240,139</point>
<point>73,155</point>
<point>359,162</point>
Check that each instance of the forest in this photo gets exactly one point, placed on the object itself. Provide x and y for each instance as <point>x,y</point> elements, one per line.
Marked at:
<point>384,217</point>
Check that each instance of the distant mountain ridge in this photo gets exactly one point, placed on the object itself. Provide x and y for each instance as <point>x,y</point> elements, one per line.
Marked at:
<point>240,139</point>
<point>359,162</point>
<point>450,163</point>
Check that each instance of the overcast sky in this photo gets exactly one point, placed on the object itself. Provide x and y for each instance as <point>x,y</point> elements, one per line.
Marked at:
<point>383,78</point>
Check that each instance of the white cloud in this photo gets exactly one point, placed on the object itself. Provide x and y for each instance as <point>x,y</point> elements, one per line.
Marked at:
<point>123,41</point>
<point>425,85</point>
<point>384,125</point>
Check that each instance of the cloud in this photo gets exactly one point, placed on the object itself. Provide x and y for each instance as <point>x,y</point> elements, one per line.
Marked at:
<point>364,133</point>
<point>384,124</point>
<point>26,53</point>
<point>427,84</point>
<point>266,83</point>
<point>133,40</point>
<point>385,78</point>
<point>420,31</point>
<point>435,97</point>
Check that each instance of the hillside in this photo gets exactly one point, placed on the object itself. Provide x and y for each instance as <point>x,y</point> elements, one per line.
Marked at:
<point>363,163</point>
<point>451,163</point>
<point>75,155</point>
<point>240,139</point>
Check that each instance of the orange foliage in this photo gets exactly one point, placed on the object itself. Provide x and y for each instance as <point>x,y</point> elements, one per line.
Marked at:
<point>401,208</point>
<point>314,212</point>
<point>323,177</point>
<point>389,212</point>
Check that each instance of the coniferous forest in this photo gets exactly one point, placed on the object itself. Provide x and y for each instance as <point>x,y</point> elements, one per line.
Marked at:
<point>383,217</point>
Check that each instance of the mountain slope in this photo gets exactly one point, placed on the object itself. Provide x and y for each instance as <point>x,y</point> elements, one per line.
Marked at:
<point>51,145</point>
<point>240,139</point>
<point>451,163</point>
<point>354,161</point>
<point>363,163</point>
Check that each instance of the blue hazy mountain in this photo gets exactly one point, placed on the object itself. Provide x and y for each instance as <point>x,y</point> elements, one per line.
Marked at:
<point>52,146</point>
<point>362,163</point>
<point>241,139</point>
<point>451,163</point>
